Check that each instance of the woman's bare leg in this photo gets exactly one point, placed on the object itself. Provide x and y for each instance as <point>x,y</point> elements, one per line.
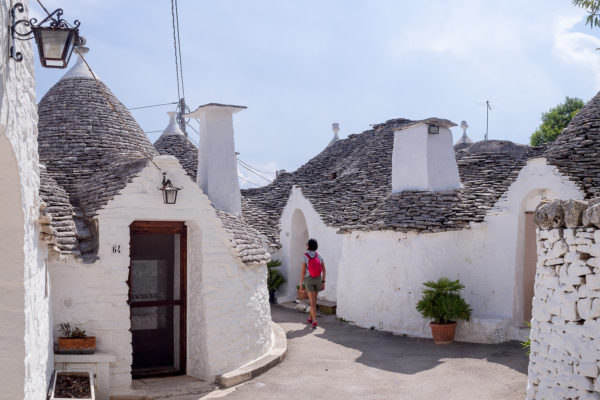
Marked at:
<point>312,297</point>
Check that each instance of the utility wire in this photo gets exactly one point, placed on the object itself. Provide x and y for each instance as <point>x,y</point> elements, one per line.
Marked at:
<point>153,105</point>
<point>256,169</point>
<point>175,47</point>
<point>246,180</point>
<point>255,173</point>
<point>179,51</point>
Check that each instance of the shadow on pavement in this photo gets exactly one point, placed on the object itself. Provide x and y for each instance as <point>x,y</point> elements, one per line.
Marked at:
<point>406,355</point>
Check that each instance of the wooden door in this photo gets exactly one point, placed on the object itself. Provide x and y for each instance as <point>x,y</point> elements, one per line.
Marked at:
<point>529,265</point>
<point>157,293</point>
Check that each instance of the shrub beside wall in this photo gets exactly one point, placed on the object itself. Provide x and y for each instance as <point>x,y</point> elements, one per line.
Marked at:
<point>565,328</point>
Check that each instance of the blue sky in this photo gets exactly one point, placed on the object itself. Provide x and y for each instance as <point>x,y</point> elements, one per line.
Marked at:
<point>299,65</point>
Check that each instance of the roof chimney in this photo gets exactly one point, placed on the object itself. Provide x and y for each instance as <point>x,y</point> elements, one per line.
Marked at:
<point>217,163</point>
<point>423,157</point>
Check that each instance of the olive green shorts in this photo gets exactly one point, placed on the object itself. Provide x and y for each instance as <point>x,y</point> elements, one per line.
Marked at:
<point>313,284</point>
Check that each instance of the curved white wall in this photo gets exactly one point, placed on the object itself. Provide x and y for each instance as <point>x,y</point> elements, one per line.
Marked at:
<point>25,354</point>
<point>299,211</point>
<point>229,320</point>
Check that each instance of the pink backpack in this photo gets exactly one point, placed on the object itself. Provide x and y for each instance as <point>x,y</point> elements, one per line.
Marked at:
<point>314,265</point>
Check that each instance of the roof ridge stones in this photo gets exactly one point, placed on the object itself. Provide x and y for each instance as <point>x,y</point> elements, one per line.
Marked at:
<point>349,185</point>
<point>576,151</point>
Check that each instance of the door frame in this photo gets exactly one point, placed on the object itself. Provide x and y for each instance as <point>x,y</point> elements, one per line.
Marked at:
<point>167,227</point>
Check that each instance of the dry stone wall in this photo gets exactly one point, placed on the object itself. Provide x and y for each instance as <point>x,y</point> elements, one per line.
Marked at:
<point>565,332</point>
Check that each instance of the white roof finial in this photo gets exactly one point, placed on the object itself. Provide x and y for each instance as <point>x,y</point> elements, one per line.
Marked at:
<point>464,138</point>
<point>335,127</point>
<point>80,69</point>
<point>173,127</point>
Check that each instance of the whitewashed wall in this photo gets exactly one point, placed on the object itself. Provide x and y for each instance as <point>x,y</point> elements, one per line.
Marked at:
<point>565,347</point>
<point>330,246</point>
<point>228,311</point>
<point>379,274</point>
<point>24,318</point>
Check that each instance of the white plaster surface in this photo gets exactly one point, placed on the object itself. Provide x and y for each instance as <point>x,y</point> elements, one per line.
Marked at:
<point>422,161</point>
<point>376,277</point>
<point>80,69</point>
<point>217,163</point>
<point>293,246</point>
<point>173,127</point>
<point>24,318</point>
<point>565,347</point>
<point>227,305</point>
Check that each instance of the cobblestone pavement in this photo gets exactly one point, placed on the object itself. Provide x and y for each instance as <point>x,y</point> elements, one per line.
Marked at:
<point>340,361</point>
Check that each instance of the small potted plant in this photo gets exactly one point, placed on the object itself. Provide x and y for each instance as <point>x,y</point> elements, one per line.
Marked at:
<point>443,303</point>
<point>302,293</point>
<point>74,340</point>
<point>274,279</point>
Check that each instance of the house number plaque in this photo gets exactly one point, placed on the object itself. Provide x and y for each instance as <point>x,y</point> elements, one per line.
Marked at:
<point>116,248</point>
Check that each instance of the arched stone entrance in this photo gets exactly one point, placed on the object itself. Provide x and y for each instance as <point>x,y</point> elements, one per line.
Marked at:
<point>298,239</point>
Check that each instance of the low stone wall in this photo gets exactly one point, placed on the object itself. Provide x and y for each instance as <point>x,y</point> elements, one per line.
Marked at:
<point>565,332</point>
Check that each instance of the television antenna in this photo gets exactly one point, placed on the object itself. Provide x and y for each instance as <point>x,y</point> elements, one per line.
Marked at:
<point>488,108</point>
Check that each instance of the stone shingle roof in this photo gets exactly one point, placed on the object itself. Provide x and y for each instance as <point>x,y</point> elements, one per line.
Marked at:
<point>89,152</point>
<point>249,243</point>
<point>183,149</point>
<point>349,184</point>
<point>576,151</point>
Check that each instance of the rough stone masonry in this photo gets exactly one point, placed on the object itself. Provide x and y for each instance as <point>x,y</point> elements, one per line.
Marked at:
<point>565,341</point>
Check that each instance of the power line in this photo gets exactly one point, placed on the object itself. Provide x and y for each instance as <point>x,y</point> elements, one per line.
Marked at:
<point>153,105</point>
<point>256,169</point>
<point>175,47</point>
<point>255,173</point>
<point>160,130</point>
<point>179,50</point>
<point>246,180</point>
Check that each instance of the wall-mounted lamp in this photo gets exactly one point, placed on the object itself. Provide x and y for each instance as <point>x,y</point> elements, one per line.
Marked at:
<point>55,41</point>
<point>434,129</point>
<point>169,190</point>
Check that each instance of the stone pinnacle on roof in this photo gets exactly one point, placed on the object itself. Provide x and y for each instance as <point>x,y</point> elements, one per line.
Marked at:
<point>464,141</point>
<point>80,70</point>
<point>173,127</point>
<point>335,127</point>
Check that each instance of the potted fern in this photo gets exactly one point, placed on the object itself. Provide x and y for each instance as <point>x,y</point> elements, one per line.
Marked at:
<point>274,278</point>
<point>443,304</point>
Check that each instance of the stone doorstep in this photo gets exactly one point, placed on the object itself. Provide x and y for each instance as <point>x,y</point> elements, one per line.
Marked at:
<point>174,387</point>
<point>323,306</point>
<point>255,368</point>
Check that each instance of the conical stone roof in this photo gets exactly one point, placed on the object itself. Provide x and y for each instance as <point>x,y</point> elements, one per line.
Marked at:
<point>81,137</point>
<point>173,142</point>
<point>576,152</point>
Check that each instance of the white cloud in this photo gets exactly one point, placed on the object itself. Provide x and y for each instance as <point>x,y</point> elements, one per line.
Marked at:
<point>576,48</point>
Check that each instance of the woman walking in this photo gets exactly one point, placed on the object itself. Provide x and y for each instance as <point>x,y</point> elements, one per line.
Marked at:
<point>313,277</point>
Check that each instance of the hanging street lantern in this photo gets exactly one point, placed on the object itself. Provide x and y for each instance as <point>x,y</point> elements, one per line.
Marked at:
<point>55,41</point>
<point>169,190</point>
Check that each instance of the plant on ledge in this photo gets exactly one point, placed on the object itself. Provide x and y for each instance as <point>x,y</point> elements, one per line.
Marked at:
<point>443,303</point>
<point>274,279</point>
<point>74,340</point>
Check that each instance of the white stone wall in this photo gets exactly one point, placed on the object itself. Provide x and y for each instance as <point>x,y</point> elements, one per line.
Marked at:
<point>227,302</point>
<point>25,359</point>
<point>330,246</point>
<point>565,345</point>
<point>376,277</point>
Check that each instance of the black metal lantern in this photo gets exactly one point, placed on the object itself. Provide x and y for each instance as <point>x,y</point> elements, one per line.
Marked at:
<point>55,41</point>
<point>433,129</point>
<point>169,190</point>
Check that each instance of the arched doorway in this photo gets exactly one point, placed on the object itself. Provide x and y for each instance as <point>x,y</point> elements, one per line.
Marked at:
<point>298,239</point>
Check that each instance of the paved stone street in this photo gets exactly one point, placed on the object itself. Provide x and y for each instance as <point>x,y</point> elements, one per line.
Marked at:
<point>340,361</point>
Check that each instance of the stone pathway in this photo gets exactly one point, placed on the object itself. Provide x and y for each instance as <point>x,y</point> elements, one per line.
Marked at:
<point>340,361</point>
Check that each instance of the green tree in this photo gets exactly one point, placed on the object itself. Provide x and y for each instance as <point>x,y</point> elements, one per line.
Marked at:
<point>555,120</point>
<point>593,9</point>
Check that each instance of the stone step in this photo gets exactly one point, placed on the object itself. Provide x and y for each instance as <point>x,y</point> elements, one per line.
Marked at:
<point>323,306</point>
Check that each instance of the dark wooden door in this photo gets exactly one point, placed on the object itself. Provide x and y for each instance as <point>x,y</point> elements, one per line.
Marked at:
<point>157,284</point>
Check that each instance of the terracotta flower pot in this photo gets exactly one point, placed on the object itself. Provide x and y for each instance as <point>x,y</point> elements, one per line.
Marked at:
<point>86,345</point>
<point>443,333</point>
<point>302,294</point>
